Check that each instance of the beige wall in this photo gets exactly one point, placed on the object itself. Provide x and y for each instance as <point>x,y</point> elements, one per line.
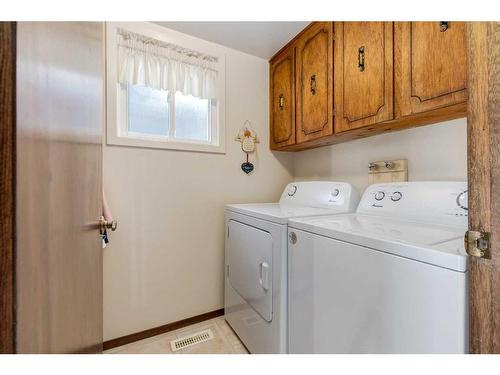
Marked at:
<point>165,261</point>
<point>435,152</point>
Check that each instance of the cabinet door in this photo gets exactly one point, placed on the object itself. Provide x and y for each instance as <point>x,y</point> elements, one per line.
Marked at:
<point>282,97</point>
<point>363,74</point>
<point>314,82</point>
<point>431,65</point>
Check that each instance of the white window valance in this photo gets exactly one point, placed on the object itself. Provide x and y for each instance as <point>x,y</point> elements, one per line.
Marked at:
<point>152,63</point>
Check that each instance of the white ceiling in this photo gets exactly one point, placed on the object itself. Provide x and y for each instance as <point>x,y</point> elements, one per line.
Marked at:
<point>262,39</point>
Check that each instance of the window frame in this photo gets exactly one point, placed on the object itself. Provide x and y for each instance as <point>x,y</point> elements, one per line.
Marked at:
<point>117,125</point>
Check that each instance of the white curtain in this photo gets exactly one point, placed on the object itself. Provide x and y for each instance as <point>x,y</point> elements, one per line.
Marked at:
<point>151,63</point>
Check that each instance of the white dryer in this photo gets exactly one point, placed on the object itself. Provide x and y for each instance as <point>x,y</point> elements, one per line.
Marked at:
<point>391,278</point>
<point>256,259</point>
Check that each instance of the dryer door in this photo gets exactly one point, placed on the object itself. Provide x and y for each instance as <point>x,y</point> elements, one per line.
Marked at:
<point>251,266</point>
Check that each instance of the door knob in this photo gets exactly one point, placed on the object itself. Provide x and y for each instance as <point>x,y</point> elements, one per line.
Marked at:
<point>103,225</point>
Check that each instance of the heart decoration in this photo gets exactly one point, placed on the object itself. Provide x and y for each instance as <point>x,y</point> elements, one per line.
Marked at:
<point>247,167</point>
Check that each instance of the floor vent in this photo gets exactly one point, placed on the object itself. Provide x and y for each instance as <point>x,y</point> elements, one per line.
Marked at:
<point>195,338</point>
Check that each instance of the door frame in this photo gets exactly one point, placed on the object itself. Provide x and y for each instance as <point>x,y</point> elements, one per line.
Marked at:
<point>483,155</point>
<point>7,184</point>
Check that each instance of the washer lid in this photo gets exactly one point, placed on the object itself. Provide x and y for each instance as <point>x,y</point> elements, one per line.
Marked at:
<point>279,213</point>
<point>434,244</point>
<point>306,198</point>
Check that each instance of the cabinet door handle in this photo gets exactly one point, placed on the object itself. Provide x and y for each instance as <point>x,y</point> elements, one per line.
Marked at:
<point>281,102</point>
<point>361,58</point>
<point>313,84</point>
<point>443,26</point>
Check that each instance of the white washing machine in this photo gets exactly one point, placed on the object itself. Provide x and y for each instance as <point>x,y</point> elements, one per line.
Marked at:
<point>256,259</point>
<point>391,278</point>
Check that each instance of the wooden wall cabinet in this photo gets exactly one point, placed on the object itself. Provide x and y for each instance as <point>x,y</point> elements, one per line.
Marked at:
<point>430,65</point>
<point>314,82</point>
<point>363,74</point>
<point>336,82</point>
<point>282,99</point>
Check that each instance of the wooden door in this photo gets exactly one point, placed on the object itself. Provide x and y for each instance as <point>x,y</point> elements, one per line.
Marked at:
<point>314,82</point>
<point>430,65</point>
<point>484,182</point>
<point>59,193</point>
<point>363,74</point>
<point>282,97</point>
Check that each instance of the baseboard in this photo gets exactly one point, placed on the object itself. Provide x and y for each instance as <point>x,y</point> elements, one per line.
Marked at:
<point>119,341</point>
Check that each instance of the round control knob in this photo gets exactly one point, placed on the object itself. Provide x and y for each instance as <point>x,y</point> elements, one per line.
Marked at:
<point>292,190</point>
<point>396,196</point>
<point>379,195</point>
<point>335,192</point>
<point>462,200</point>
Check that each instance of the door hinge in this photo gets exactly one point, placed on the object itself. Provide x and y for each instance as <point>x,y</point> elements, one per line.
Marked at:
<point>227,270</point>
<point>228,231</point>
<point>477,244</point>
<point>333,36</point>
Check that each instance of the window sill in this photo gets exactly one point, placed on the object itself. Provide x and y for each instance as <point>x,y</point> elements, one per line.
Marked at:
<point>165,144</point>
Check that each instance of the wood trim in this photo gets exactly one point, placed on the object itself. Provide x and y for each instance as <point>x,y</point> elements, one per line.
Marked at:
<point>399,97</point>
<point>427,118</point>
<point>483,146</point>
<point>7,184</point>
<point>161,329</point>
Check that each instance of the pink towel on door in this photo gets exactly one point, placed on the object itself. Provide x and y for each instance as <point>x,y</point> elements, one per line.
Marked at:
<point>105,209</point>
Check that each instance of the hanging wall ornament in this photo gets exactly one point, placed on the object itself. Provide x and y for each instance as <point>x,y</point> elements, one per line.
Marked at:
<point>248,139</point>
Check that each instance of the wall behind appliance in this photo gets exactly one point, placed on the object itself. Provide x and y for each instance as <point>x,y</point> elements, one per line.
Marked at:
<point>434,152</point>
<point>165,261</point>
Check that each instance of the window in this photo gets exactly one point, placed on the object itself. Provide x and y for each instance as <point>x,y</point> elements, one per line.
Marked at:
<point>192,118</point>
<point>148,111</point>
<point>169,90</point>
<point>152,113</point>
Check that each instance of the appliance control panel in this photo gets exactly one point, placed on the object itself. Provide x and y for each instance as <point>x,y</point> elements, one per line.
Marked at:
<point>321,194</point>
<point>441,202</point>
<point>395,196</point>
